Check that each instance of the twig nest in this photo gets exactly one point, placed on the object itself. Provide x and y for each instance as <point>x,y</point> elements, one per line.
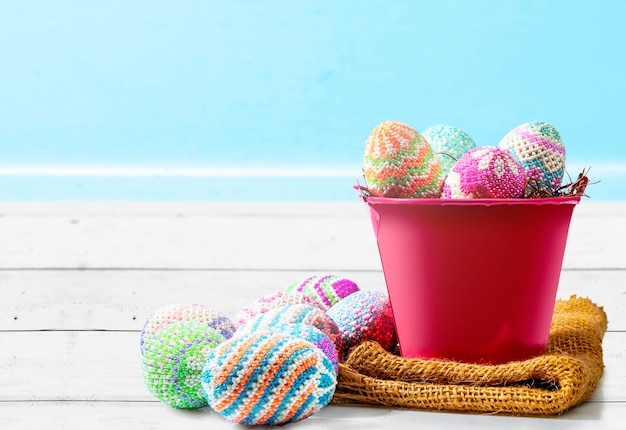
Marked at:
<point>449,144</point>
<point>312,335</point>
<point>294,314</point>
<point>272,301</point>
<point>363,316</point>
<point>538,146</point>
<point>168,314</point>
<point>399,162</point>
<point>268,379</point>
<point>485,172</point>
<point>326,290</point>
<point>173,360</point>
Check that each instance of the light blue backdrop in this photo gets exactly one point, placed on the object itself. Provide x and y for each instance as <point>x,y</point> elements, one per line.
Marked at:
<point>98,97</point>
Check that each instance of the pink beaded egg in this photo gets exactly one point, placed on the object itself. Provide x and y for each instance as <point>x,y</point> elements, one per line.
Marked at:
<point>486,172</point>
<point>272,301</point>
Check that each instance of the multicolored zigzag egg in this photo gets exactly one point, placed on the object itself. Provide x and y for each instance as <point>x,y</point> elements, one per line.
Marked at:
<point>538,146</point>
<point>268,379</point>
<point>399,162</point>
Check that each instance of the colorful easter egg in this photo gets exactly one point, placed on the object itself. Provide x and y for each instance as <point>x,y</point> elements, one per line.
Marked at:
<point>485,172</point>
<point>268,379</point>
<point>294,314</point>
<point>399,162</point>
<point>313,335</point>
<point>363,316</point>
<point>173,360</point>
<point>168,314</point>
<point>538,146</point>
<point>327,289</point>
<point>449,144</point>
<point>276,300</point>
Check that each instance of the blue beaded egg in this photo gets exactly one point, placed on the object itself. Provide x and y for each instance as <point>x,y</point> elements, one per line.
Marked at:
<point>294,314</point>
<point>449,144</point>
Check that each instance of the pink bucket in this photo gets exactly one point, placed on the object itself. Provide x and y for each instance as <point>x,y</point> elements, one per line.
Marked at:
<point>472,280</point>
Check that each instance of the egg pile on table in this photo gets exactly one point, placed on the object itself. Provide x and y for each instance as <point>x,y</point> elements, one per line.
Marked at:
<point>277,363</point>
<point>444,161</point>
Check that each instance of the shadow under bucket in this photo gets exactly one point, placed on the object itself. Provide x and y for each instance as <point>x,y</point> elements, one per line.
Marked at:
<point>472,280</point>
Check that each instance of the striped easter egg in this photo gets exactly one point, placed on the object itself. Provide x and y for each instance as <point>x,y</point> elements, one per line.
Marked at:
<point>539,147</point>
<point>267,379</point>
<point>399,162</point>
<point>173,360</point>
<point>313,335</point>
<point>168,314</point>
<point>326,289</point>
<point>294,314</point>
<point>271,301</point>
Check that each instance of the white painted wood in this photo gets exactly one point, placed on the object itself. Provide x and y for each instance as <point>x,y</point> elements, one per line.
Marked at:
<point>102,365</point>
<point>122,300</point>
<point>306,236</point>
<point>69,337</point>
<point>151,415</point>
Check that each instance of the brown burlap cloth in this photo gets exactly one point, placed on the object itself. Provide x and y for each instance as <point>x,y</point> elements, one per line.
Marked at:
<point>566,375</point>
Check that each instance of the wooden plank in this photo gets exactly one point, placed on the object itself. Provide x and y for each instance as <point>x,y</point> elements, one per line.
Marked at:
<point>84,377</point>
<point>305,236</point>
<point>122,300</point>
<point>152,415</point>
<point>102,365</point>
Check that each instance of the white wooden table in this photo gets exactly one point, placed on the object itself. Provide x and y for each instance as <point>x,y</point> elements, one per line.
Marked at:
<point>77,281</point>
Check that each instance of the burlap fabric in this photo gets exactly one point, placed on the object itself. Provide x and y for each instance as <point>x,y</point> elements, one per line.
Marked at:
<point>565,376</point>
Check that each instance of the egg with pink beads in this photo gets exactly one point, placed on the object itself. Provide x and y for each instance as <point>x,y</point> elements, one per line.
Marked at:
<point>486,172</point>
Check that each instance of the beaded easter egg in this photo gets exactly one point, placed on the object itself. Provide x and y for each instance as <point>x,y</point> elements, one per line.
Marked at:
<point>485,172</point>
<point>449,144</point>
<point>399,162</point>
<point>268,379</point>
<point>538,146</point>
<point>173,360</point>
<point>312,335</point>
<point>168,314</point>
<point>294,314</point>
<point>363,316</point>
<point>269,302</point>
<point>326,290</point>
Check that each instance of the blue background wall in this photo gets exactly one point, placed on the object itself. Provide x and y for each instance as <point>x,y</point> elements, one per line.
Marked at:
<point>150,99</point>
